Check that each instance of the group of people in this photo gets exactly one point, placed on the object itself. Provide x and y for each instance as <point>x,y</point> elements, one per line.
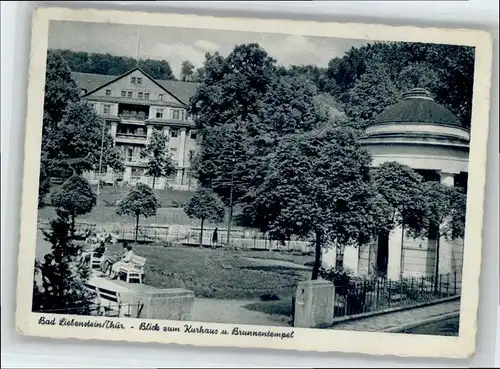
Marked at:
<point>110,264</point>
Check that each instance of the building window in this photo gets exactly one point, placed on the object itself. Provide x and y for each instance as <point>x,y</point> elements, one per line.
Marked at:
<point>139,80</point>
<point>183,114</point>
<point>92,105</point>
<point>130,154</point>
<point>124,93</point>
<point>129,94</point>
<point>107,109</point>
<point>108,92</point>
<point>193,135</point>
<point>160,96</point>
<point>139,95</point>
<point>132,80</point>
<point>175,114</point>
<point>146,95</point>
<point>173,134</point>
<point>159,113</point>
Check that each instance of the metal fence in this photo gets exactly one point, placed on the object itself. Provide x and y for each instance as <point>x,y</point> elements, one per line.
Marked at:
<point>362,296</point>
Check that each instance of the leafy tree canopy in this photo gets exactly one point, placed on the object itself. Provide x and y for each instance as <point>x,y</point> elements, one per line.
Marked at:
<point>107,64</point>
<point>398,190</point>
<point>75,196</point>
<point>159,162</point>
<point>206,205</point>
<point>139,201</point>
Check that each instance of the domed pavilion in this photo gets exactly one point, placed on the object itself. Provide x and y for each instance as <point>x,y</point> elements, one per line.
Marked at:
<point>429,138</point>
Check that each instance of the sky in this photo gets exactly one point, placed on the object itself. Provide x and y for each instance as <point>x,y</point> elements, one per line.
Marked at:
<point>178,44</point>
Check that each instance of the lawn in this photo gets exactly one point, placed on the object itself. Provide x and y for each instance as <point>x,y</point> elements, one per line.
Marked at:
<point>169,213</point>
<point>222,273</point>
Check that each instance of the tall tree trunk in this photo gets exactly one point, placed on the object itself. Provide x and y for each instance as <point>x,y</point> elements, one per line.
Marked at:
<point>201,232</point>
<point>317,256</point>
<point>72,226</point>
<point>154,181</point>
<point>136,227</point>
<point>436,271</point>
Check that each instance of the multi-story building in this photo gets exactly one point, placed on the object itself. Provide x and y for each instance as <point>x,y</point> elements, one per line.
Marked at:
<point>134,104</point>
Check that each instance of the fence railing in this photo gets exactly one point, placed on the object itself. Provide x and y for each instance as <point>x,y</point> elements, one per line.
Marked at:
<point>362,296</point>
<point>187,235</point>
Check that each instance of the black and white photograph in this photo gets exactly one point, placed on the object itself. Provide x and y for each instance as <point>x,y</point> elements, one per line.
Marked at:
<point>251,184</point>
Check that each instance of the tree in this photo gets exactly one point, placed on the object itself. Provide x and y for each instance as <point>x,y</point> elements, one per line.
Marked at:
<point>229,95</point>
<point>289,107</point>
<point>371,94</point>
<point>354,77</point>
<point>318,186</point>
<point>205,205</point>
<point>187,71</point>
<point>75,197</point>
<point>398,189</point>
<point>141,200</point>
<point>159,162</point>
<point>76,143</point>
<point>442,214</point>
<point>44,182</point>
<point>60,91</point>
<point>107,64</point>
<point>63,278</point>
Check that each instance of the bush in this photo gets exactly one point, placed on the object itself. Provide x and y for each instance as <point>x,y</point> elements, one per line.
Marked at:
<point>348,287</point>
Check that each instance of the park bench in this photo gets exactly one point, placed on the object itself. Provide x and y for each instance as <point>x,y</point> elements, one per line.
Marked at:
<point>95,261</point>
<point>134,269</point>
<point>109,303</point>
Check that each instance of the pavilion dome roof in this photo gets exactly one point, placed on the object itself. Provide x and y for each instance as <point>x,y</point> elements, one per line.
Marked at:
<point>418,106</point>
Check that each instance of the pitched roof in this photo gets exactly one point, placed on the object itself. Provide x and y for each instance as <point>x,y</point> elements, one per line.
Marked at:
<point>418,106</point>
<point>91,81</point>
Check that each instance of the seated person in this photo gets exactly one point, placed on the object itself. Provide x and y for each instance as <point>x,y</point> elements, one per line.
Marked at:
<point>112,265</point>
<point>92,238</point>
<point>97,251</point>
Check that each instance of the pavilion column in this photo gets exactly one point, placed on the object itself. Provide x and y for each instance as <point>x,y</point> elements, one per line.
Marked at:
<point>447,178</point>
<point>446,246</point>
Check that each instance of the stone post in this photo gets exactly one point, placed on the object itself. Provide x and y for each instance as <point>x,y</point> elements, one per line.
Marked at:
<point>314,304</point>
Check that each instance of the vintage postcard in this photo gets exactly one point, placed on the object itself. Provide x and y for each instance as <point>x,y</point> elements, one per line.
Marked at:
<point>253,183</point>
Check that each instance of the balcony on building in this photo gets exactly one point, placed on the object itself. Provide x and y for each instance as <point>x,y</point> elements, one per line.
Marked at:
<point>133,114</point>
<point>130,134</point>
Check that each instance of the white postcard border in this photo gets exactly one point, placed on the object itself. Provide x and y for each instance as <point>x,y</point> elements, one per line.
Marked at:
<point>303,339</point>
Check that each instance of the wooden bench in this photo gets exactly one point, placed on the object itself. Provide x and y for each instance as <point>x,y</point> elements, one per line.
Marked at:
<point>95,261</point>
<point>134,269</point>
<point>109,303</point>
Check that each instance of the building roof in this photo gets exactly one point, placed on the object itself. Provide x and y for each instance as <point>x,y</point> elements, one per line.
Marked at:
<point>418,106</point>
<point>91,81</point>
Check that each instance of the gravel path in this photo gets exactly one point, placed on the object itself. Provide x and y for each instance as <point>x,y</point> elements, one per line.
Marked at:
<point>231,312</point>
<point>391,320</point>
